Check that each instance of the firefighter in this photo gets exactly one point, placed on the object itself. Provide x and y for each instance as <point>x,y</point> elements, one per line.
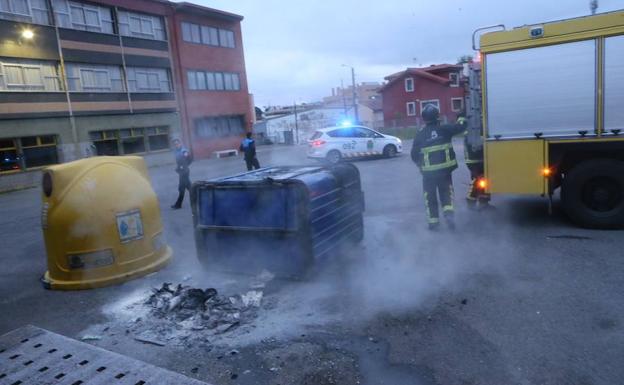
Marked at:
<point>433,152</point>
<point>248,147</point>
<point>183,161</point>
<point>473,156</point>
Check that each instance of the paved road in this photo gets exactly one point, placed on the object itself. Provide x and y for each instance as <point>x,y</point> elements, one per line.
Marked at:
<point>513,297</point>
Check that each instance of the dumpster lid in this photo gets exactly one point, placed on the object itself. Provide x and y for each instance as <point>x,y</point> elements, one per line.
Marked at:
<point>279,173</point>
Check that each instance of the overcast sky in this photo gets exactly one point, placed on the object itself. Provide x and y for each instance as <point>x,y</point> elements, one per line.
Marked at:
<point>294,49</point>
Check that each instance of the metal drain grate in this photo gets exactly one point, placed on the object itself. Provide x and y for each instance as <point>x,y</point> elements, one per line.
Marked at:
<point>33,356</point>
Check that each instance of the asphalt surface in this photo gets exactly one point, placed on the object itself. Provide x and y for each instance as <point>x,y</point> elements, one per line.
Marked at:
<point>514,296</point>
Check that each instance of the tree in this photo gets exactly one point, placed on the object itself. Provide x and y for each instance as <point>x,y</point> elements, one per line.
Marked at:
<point>464,59</point>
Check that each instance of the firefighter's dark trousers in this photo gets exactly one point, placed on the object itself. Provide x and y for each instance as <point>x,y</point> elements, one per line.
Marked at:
<point>474,192</point>
<point>438,184</point>
<point>184,183</point>
<point>252,163</point>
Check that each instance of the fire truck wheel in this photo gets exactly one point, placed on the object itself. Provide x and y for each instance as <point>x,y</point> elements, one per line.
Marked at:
<point>592,194</point>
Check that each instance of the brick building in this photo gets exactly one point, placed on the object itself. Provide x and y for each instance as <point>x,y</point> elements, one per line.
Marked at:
<point>407,92</point>
<point>215,103</point>
<point>110,77</point>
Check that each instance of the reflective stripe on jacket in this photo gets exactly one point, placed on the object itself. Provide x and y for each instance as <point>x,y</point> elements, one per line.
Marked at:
<point>432,149</point>
<point>438,157</point>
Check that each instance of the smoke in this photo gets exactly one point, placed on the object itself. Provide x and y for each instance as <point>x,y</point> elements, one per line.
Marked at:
<point>402,265</point>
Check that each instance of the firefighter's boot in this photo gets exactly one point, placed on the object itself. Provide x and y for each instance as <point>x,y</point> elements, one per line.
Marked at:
<point>433,226</point>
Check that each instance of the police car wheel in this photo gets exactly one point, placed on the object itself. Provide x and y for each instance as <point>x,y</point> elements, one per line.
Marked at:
<point>592,194</point>
<point>389,151</point>
<point>333,156</point>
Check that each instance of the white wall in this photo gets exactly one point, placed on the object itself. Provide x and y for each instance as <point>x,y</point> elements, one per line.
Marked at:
<point>307,122</point>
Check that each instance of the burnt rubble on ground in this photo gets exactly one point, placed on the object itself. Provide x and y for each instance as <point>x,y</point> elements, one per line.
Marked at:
<point>203,309</point>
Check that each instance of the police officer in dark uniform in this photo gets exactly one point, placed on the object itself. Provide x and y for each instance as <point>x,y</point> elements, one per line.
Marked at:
<point>433,152</point>
<point>248,148</point>
<point>183,161</point>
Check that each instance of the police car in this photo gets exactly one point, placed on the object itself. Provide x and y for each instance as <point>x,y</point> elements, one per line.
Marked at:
<point>343,142</point>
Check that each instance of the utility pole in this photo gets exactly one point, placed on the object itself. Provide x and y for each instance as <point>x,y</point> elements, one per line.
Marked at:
<point>355,106</point>
<point>344,100</point>
<point>593,6</point>
<point>296,124</point>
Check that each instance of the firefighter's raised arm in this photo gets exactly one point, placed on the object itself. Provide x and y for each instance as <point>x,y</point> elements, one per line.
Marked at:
<point>460,126</point>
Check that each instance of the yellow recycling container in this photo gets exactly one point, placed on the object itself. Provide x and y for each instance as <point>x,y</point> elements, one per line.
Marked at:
<point>101,223</point>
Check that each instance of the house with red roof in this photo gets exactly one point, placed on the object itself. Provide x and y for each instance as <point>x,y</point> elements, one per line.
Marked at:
<point>406,93</point>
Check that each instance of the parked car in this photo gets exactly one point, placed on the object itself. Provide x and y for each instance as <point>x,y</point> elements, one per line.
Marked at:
<point>336,143</point>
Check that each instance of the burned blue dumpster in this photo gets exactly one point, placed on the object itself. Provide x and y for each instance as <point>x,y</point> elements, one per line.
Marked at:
<point>281,219</point>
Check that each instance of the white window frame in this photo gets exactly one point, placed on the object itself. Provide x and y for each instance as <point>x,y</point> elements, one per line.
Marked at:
<point>23,85</point>
<point>83,8</point>
<point>108,87</point>
<point>456,82</point>
<point>423,103</point>
<point>12,12</point>
<point>217,37</point>
<point>151,72</point>
<point>407,89</point>
<point>210,80</point>
<point>141,19</point>
<point>147,74</point>
<point>460,108</point>
<point>191,84</point>
<point>44,77</point>
<point>413,107</point>
<point>102,21</point>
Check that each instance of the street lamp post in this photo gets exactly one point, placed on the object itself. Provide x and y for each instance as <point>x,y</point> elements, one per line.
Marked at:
<point>296,124</point>
<point>355,105</point>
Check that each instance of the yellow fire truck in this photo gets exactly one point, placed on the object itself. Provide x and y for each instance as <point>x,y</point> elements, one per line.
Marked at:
<point>551,103</point>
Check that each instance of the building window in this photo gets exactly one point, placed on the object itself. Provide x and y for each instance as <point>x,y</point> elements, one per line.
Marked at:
<point>411,108</point>
<point>203,34</point>
<point>9,160</point>
<point>130,140</point>
<point>29,75</point>
<point>157,138</point>
<point>457,104</point>
<point>148,79</point>
<point>29,11</point>
<point>27,152</point>
<point>454,78</point>
<point>94,78</point>
<point>409,84</point>
<point>85,17</point>
<point>213,81</point>
<point>105,142</point>
<point>141,25</point>
<point>219,127</point>
<point>433,102</point>
<point>38,151</point>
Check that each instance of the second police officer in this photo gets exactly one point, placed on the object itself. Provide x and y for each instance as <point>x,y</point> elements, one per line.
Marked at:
<point>433,153</point>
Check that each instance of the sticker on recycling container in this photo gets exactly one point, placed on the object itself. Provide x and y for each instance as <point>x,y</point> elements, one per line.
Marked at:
<point>129,225</point>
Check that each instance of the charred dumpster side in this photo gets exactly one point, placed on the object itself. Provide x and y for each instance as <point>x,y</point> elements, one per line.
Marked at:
<point>279,218</point>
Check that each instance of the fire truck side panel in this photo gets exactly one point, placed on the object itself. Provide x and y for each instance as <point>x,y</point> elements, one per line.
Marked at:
<point>515,167</point>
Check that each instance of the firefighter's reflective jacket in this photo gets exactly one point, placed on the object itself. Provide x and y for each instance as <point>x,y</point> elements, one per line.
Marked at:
<point>432,149</point>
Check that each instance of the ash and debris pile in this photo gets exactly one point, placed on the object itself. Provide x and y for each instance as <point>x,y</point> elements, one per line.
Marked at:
<point>204,309</point>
